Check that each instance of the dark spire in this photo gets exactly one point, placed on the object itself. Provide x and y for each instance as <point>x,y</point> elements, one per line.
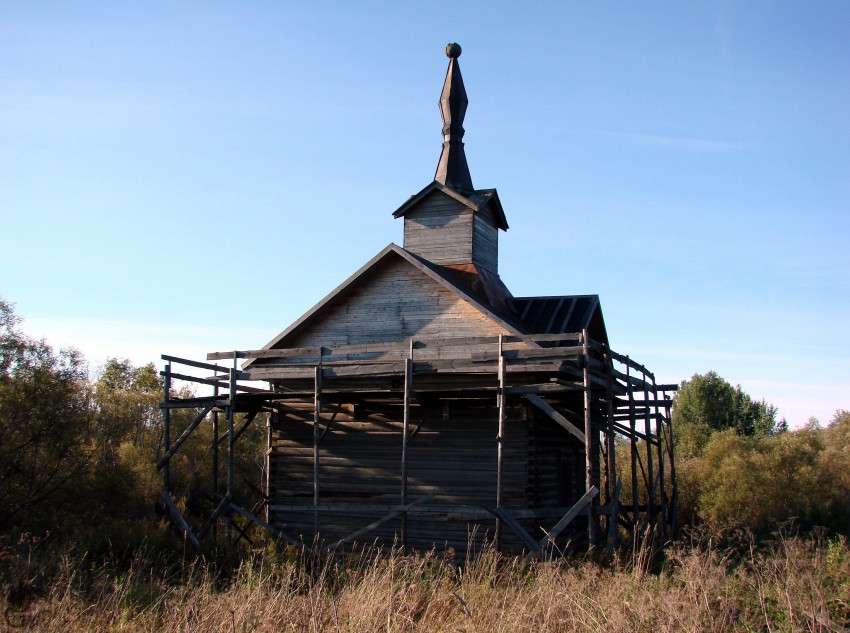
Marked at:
<point>452,170</point>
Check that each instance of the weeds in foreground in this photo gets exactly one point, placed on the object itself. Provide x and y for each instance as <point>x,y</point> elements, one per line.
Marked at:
<point>792,584</point>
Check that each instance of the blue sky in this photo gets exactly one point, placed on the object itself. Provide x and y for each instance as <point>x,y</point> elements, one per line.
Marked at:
<point>189,177</point>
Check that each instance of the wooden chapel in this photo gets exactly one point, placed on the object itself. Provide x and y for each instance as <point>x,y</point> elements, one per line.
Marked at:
<point>421,404</point>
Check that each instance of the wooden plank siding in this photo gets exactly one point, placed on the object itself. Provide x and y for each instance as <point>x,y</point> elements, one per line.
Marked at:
<point>444,231</point>
<point>485,241</point>
<point>398,303</point>
<point>451,454</point>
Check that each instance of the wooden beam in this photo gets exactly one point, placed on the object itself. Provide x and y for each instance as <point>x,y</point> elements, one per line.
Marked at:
<point>571,514</point>
<point>245,424</point>
<point>503,515</point>
<point>408,388</point>
<point>220,509</point>
<point>544,406</point>
<point>458,512</point>
<point>612,521</point>
<point>277,533</point>
<point>194,363</point>
<point>317,417</point>
<point>166,429</point>
<point>650,465</point>
<point>500,438</point>
<point>589,444</point>
<point>183,437</point>
<point>381,521</point>
<point>390,346</point>
<point>633,448</point>
<point>175,514</point>
<point>231,414</point>
<point>215,383</point>
<point>543,388</point>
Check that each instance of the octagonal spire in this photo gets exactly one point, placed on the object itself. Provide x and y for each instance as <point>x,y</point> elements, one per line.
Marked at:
<point>452,170</point>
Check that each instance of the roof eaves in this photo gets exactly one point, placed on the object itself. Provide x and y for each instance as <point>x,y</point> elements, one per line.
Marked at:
<point>420,264</point>
<point>490,197</point>
<point>434,186</point>
<point>390,248</point>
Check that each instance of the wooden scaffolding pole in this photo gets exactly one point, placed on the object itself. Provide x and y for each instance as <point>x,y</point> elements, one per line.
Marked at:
<point>408,388</point>
<point>272,422</point>
<point>632,445</point>
<point>611,474</point>
<point>231,414</point>
<point>650,470</point>
<point>500,440</point>
<point>589,444</point>
<point>674,493</point>
<point>660,450</point>
<point>166,428</point>
<point>317,418</point>
<point>214,449</point>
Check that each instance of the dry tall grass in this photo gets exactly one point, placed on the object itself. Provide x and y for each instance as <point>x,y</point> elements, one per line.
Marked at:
<point>792,585</point>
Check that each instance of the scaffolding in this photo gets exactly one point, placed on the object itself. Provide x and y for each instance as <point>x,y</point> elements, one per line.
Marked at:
<point>603,399</point>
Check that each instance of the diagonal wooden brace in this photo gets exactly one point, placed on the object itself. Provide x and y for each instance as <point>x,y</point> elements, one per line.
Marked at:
<point>183,437</point>
<point>223,507</point>
<point>382,520</point>
<point>571,514</point>
<point>279,534</point>
<point>544,406</point>
<point>520,531</point>
<point>175,514</point>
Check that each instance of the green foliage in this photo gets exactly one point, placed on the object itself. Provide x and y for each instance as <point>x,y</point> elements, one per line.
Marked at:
<point>46,426</point>
<point>707,403</point>
<point>78,455</point>
<point>761,482</point>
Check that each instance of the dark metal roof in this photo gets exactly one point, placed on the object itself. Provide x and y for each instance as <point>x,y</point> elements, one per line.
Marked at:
<point>558,315</point>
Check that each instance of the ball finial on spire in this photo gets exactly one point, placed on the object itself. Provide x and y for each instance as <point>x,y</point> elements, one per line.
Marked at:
<point>453,50</point>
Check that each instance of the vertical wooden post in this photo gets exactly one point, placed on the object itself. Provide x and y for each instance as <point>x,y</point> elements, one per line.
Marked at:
<point>408,387</point>
<point>231,414</point>
<point>500,440</point>
<point>632,445</point>
<point>589,444</point>
<point>166,428</point>
<point>273,422</point>
<point>611,474</point>
<point>674,493</point>
<point>660,451</point>
<point>214,449</point>
<point>317,417</point>
<point>650,467</point>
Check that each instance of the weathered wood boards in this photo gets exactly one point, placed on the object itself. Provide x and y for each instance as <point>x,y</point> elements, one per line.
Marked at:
<point>346,457</point>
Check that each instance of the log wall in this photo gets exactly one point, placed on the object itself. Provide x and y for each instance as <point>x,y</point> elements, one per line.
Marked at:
<point>451,454</point>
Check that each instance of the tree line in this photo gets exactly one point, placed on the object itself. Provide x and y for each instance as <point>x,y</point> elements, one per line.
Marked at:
<point>78,453</point>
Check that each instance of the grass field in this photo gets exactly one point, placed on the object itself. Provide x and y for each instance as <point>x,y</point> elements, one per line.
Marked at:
<point>789,584</point>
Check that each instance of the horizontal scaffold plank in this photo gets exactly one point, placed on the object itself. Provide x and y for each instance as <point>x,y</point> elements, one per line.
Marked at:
<point>403,346</point>
<point>465,512</point>
<point>213,383</point>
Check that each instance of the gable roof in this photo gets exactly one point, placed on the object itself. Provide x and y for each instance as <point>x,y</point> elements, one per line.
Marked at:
<point>477,201</point>
<point>432,271</point>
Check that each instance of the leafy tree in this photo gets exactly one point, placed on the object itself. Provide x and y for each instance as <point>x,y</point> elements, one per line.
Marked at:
<point>45,423</point>
<point>707,403</point>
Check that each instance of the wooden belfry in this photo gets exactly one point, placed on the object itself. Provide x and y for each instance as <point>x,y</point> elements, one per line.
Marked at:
<point>421,404</point>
